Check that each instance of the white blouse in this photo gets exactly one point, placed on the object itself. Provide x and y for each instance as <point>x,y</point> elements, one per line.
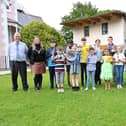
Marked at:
<point>118,56</point>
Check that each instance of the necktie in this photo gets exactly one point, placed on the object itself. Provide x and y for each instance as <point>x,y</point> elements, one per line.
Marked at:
<point>17,51</point>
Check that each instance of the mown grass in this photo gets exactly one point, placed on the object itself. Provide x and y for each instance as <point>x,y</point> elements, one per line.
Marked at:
<point>48,108</point>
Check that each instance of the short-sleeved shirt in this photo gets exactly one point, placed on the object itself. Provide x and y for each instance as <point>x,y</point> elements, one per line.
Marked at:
<point>84,53</point>
<point>118,56</point>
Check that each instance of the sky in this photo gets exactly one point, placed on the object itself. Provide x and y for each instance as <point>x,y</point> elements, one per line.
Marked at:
<point>51,11</point>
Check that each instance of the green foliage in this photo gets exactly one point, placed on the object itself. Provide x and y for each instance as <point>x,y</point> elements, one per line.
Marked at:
<point>83,10</point>
<point>79,10</point>
<point>103,11</point>
<point>41,30</point>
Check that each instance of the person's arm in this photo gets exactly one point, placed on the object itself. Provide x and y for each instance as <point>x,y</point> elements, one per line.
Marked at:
<point>48,54</point>
<point>123,59</point>
<point>29,52</point>
<point>44,56</point>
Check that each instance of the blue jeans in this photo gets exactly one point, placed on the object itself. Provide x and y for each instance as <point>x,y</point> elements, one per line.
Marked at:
<point>92,74</point>
<point>119,74</point>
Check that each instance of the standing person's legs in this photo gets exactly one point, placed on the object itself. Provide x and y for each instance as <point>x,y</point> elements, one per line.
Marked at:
<point>116,67</point>
<point>114,73</point>
<point>68,75</point>
<point>36,80</point>
<point>23,73</point>
<point>98,72</point>
<point>40,81</point>
<point>62,81</point>
<point>57,75</point>
<point>109,87</point>
<point>14,75</point>
<point>121,74</point>
<point>82,74</point>
<point>85,71</point>
<point>93,79</point>
<point>73,81</point>
<point>77,81</point>
<point>57,78</point>
<point>106,85</point>
<point>52,75</point>
<point>88,79</point>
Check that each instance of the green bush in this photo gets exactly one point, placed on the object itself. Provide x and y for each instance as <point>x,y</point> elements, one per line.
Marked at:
<point>42,30</point>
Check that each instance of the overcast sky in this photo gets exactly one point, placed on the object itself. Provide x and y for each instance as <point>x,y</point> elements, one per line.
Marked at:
<point>52,10</point>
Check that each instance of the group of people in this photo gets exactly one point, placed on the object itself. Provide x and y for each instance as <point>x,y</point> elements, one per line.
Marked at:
<point>86,60</point>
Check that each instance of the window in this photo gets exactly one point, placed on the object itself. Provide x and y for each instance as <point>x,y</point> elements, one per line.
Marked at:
<point>86,31</point>
<point>104,28</point>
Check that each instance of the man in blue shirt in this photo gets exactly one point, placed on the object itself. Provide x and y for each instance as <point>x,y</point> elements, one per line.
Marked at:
<point>17,52</point>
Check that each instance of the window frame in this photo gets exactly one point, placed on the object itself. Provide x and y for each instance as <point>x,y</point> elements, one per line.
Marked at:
<point>86,31</point>
<point>104,28</point>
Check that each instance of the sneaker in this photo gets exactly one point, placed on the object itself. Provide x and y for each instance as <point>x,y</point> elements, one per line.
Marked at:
<point>86,89</point>
<point>118,86</point>
<point>62,90</point>
<point>94,88</point>
<point>58,90</point>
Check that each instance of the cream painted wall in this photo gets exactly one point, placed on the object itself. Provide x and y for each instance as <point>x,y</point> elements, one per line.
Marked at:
<point>116,28</point>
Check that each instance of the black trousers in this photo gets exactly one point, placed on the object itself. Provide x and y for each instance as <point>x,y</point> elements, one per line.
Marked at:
<point>20,67</point>
<point>52,76</point>
<point>38,81</point>
<point>98,72</point>
<point>68,74</point>
<point>83,71</point>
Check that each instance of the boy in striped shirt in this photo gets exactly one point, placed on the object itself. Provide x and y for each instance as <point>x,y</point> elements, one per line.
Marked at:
<point>59,61</point>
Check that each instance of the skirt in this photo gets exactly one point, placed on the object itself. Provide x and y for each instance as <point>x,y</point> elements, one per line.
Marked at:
<point>75,68</point>
<point>38,68</point>
<point>106,71</point>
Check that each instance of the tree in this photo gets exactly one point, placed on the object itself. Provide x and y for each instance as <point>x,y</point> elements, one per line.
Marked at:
<point>79,10</point>
<point>42,30</point>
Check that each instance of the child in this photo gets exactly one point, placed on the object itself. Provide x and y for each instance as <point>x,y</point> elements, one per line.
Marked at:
<point>75,68</point>
<point>59,61</point>
<point>84,54</point>
<point>91,67</point>
<point>68,48</point>
<point>119,60</point>
<point>106,70</point>
<point>51,52</point>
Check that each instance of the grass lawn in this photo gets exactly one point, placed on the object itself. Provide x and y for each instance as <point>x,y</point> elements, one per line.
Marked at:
<point>48,108</point>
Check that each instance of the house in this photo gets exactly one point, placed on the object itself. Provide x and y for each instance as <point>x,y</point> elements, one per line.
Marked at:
<point>24,18</point>
<point>12,18</point>
<point>100,27</point>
